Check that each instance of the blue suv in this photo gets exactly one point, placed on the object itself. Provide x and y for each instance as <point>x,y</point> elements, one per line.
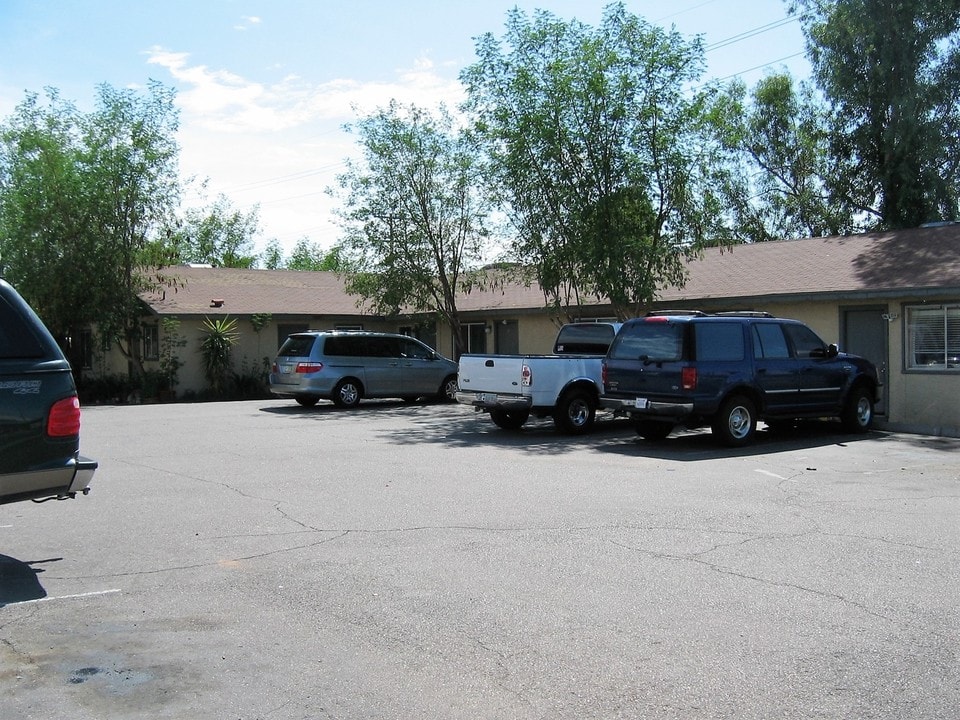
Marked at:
<point>730,370</point>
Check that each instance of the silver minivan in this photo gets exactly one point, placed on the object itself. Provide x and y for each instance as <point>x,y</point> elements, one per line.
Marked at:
<point>345,366</point>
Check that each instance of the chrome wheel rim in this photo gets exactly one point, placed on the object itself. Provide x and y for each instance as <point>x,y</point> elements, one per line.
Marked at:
<point>739,422</point>
<point>579,413</point>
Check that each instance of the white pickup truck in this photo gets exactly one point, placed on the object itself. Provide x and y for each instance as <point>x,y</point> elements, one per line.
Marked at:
<point>565,385</point>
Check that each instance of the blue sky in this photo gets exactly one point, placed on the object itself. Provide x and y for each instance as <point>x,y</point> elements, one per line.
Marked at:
<point>264,88</point>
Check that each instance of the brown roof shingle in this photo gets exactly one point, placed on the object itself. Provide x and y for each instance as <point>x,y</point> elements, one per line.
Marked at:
<point>922,260</point>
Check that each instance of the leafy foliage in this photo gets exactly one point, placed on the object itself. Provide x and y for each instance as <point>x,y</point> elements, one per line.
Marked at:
<point>600,150</point>
<point>218,235</point>
<point>779,139</point>
<point>219,337</point>
<point>81,196</point>
<point>890,70</point>
<point>412,214</point>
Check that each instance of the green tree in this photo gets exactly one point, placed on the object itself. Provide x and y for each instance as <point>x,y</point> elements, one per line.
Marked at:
<point>601,153</point>
<point>308,255</point>
<point>779,140</point>
<point>82,196</point>
<point>891,72</point>
<point>412,214</point>
<point>272,256</point>
<point>217,234</point>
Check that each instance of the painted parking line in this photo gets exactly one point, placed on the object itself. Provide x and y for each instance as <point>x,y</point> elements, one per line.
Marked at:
<point>67,597</point>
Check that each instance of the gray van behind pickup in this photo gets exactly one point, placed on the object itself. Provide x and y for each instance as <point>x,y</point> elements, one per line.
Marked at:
<point>345,366</point>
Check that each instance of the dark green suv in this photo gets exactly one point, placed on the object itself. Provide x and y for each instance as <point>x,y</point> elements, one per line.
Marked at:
<point>39,411</point>
<point>730,370</point>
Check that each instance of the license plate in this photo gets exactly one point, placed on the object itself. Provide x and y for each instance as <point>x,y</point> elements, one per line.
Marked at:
<point>486,398</point>
<point>641,403</point>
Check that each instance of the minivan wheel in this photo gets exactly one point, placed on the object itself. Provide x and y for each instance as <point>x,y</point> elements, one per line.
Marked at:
<point>449,388</point>
<point>736,421</point>
<point>307,400</point>
<point>347,393</point>
<point>858,411</point>
<point>575,412</point>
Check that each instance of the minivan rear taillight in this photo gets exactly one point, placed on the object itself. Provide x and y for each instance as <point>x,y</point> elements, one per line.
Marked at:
<point>305,368</point>
<point>64,418</point>
<point>688,378</point>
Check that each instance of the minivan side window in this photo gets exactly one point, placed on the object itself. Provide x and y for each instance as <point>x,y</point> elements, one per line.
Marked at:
<point>412,349</point>
<point>804,340</point>
<point>719,341</point>
<point>383,347</point>
<point>769,342</point>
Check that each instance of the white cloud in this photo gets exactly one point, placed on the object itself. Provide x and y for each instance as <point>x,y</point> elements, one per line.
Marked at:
<point>246,22</point>
<point>280,144</point>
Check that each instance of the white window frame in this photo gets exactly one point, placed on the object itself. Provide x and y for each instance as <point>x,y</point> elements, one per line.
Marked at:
<point>932,338</point>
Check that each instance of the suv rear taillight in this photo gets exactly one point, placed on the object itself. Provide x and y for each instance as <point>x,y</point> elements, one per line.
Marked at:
<point>64,418</point>
<point>688,378</point>
<point>305,368</point>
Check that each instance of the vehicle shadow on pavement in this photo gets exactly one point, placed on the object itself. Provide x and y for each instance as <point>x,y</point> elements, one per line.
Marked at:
<point>18,581</point>
<point>700,444</point>
<point>461,427</point>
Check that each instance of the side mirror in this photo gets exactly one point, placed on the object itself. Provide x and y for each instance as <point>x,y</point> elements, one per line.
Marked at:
<point>830,351</point>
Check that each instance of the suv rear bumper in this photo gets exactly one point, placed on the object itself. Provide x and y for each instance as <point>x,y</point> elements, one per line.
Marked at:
<point>85,468</point>
<point>629,406</point>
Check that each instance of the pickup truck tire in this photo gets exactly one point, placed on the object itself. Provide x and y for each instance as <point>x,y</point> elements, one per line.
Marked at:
<point>347,393</point>
<point>653,429</point>
<point>575,412</point>
<point>857,410</point>
<point>736,421</point>
<point>509,419</point>
<point>307,400</point>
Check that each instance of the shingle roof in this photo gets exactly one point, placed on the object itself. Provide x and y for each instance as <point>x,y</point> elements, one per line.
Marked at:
<point>245,292</point>
<point>921,260</point>
<point>907,260</point>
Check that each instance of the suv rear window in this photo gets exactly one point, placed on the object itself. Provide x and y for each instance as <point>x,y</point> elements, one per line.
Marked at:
<point>16,338</point>
<point>651,340</point>
<point>297,346</point>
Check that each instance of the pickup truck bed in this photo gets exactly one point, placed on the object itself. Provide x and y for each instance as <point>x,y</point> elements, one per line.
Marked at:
<point>564,385</point>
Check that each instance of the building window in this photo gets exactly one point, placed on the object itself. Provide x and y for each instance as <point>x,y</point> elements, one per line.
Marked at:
<point>933,337</point>
<point>476,337</point>
<point>151,342</point>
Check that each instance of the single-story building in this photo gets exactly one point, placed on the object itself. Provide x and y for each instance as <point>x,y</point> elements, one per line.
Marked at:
<point>893,297</point>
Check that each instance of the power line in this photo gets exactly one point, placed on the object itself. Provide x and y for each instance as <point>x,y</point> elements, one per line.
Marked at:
<point>747,34</point>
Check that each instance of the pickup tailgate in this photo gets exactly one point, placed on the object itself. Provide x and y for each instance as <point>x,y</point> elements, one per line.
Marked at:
<point>499,374</point>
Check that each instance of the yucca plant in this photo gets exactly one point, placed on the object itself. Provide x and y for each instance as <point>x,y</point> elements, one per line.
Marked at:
<point>219,338</point>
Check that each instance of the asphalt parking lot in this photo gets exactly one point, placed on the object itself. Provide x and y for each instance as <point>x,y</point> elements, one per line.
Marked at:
<point>259,560</point>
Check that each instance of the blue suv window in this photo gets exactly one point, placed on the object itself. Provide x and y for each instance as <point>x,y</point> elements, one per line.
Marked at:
<point>804,340</point>
<point>650,340</point>
<point>719,341</point>
<point>769,342</point>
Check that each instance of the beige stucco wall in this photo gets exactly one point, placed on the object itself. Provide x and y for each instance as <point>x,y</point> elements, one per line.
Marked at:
<point>915,401</point>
